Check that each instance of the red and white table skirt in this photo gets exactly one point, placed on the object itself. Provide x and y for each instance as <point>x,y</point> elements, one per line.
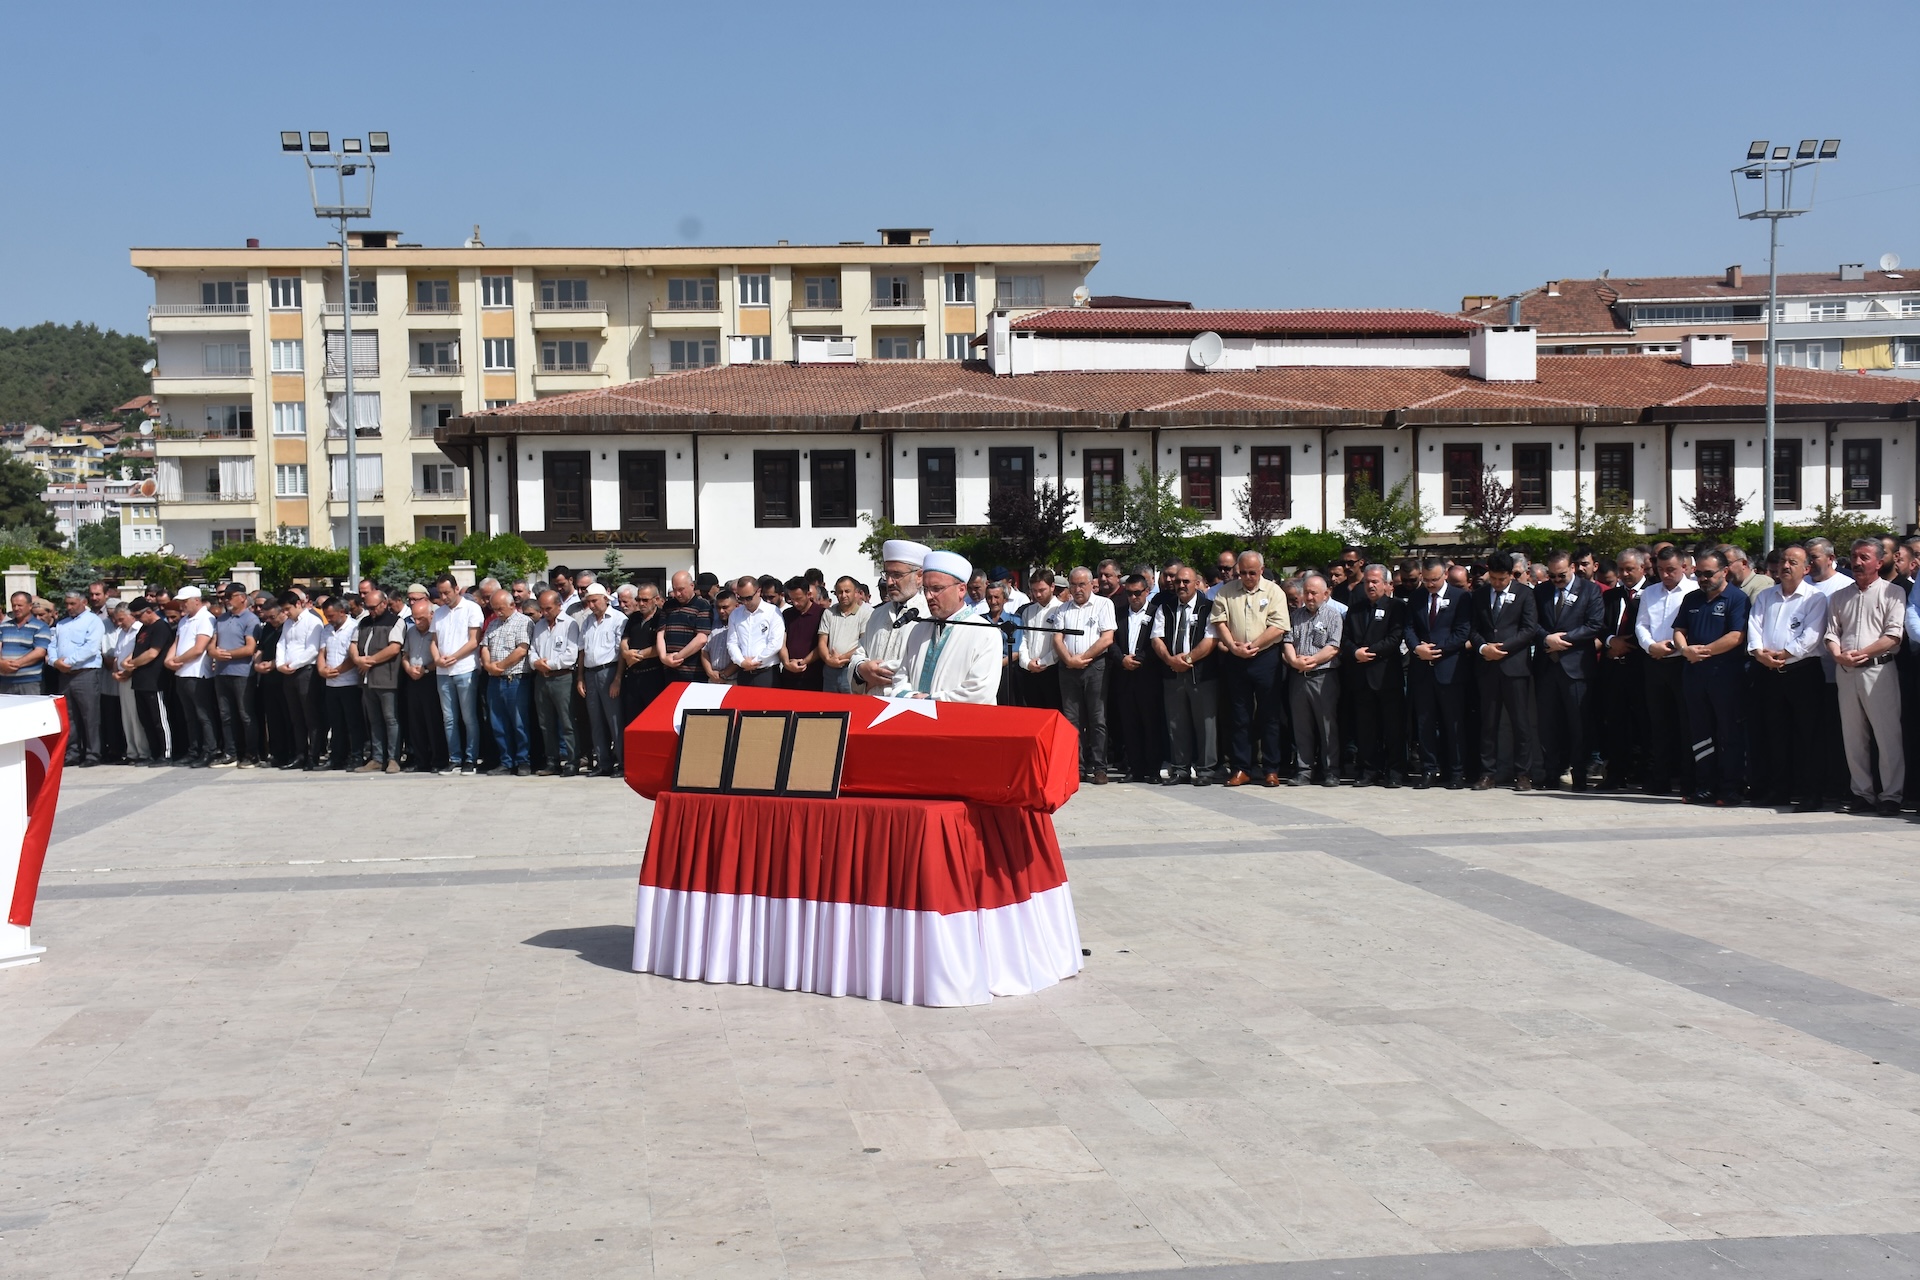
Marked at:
<point>934,902</point>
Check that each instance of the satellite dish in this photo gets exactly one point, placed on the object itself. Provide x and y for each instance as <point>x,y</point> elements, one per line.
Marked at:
<point>146,428</point>
<point>1081,295</point>
<point>1206,350</point>
<point>148,488</point>
<point>1889,262</point>
<point>149,366</point>
<point>166,548</point>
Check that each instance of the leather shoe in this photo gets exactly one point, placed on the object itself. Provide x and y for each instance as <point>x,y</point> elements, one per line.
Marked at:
<point>1485,783</point>
<point>1239,778</point>
<point>1271,780</point>
<point>1100,777</point>
<point>1393,782</point>
<point>1426,781</point>
<point>1523,783</point>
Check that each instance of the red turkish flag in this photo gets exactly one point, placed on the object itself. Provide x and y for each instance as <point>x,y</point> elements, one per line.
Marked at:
<point>46,759</point>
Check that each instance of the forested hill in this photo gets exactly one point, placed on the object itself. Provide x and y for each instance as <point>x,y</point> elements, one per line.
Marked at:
<point>52,372</point>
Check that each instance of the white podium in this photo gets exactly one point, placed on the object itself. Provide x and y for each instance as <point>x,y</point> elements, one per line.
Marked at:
<point>24,721</point>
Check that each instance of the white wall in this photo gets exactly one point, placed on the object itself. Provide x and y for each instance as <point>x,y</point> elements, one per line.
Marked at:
<point>1496,451</point>
<point>1033,353</point>
<point>731,544</point>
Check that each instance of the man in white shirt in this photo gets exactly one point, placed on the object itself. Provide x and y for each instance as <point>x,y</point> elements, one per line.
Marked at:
<point>294,658</point>
<point>556,657</point>
<point>1083,671</point>
<point>1038,681</point>
<point>949,663</point>
<point>193,676</point>
<point>346,729</point>
<point>840,632</point>
<point>600,631</point>
<point>1784,639</point>
<point>1669,753</point>
<point>1826,575</point>
<point>457,624</point>
<point>882,644</point>
<point>755,635</point>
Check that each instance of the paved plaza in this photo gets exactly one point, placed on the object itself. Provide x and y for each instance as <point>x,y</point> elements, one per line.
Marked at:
<point>299,1026</point>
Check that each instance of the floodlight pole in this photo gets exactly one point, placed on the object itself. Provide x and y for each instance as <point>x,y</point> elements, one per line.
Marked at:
<point>1776,170</point>
<point>345,163</point>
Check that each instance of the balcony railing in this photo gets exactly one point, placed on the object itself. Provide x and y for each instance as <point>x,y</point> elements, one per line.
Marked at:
<point>231,371</point>
<point>455,494</point>
<point>209,495</point>
<point>824,304</point>
<point>451,307</point>
<point>362,432</point>
<point>199,309</point>
<point>443,369</point>
<point>204,433</point>
<point>570,366</point>
<point>1019,301</point>
<point>697,304</point>
<point>368,493</point>
<point>423,431</point>
<point>900,304</point>
<point>340,308</point>
<point>570,304</point>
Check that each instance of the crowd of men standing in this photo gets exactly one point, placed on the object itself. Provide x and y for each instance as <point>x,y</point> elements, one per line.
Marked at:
<point>1669,670</point>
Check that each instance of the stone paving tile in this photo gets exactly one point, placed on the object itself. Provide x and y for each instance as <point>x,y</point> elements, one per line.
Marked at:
<point>1273,1056</point>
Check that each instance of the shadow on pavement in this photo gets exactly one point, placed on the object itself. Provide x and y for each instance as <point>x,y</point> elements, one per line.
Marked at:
<point>608,945</point>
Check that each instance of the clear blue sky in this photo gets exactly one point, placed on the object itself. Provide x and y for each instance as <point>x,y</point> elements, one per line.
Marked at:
<point>1264,155</point>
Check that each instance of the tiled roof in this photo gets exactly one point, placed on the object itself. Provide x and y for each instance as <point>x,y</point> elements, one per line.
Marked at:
<point>1586,306</point>
<point>1584,388</point>
<point>1161,321</point>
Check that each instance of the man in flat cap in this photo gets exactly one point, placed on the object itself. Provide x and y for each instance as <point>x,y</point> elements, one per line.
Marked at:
<point>877,658</point>
<point>948,663</point>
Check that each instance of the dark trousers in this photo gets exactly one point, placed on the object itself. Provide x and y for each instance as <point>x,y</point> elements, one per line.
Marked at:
<point>1622,691</point>
<point>1832,758</point>
<point>761,679</point>
<point>1786,718</point>
<point>1192,707</point>
<point>270,713</point>
<point>1501,692</point>
<point>1437,716</point>
<point>553,706</point>
<point>113,739</point>
<point>426,731</point>
<point>1669,763</point>
<point>197,701</point>
<point>346,727</point>
<point>1716,726</point>
<point>82,692</point>
<point>1142,719</point>
<point>146,702</point>
<point>1041,688</point>
<point>238,729</point>
<point>177,714</point>
<point>304,729</point>
<point>1563,722</point>
<point>508,702</point>
<point>1255,693</point>
<point>1083,700</point>
<point>1380,719</point>
<point>382,707</point>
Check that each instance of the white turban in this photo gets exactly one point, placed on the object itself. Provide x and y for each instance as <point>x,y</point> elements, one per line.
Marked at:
<point>904,552</point>
<point>949,563</point>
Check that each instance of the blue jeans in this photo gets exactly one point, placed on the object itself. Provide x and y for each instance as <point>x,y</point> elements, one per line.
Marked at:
<point>460,705</point>
<point>508,701</point>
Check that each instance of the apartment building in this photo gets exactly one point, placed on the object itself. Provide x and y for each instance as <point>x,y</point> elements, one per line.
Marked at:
<point>132,502</point>
<point>773,468</point>
<point>1849,319</point>
<point>250,379</point>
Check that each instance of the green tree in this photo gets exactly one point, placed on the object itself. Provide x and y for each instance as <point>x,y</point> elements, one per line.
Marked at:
<point>51,373</point>
<point>1490,511</point>
<point>1030,528</point>
<point>1260,515</point>
<point>23,502</point>
<point>1149,519</point>
<point>100,540</point>
<point>613,572</point>
<point>1385,524</point>
<point>879,530</point>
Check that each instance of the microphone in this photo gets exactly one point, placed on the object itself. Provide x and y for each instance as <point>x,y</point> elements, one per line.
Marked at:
<point>903,618</point>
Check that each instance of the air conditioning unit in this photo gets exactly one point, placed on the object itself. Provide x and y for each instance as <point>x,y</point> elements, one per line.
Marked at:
<point>822,348</point>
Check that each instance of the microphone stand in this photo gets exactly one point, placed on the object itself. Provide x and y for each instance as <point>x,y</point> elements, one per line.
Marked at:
<point>1006,626</point>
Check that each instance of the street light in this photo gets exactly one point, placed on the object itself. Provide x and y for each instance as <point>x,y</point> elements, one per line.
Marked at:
<point>347,162</point>
<point>1788,178</point>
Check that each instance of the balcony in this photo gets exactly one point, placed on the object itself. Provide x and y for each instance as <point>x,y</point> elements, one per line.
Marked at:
<point>203,382</point>
<point>333,314</point>
<point>900,303</point>
<point>195,317</point>
<point>203,432</point>
<point>819,305</point>
<point>421,430</point>
<point>1025,302</point>
<point>207,496</point>
<point>439,369</point>
<point>565,376</point>
<point>368,493</point>
<point>451,307</point>
<point>570,313</point>
<point>458,493</point>
<point>362,432</point>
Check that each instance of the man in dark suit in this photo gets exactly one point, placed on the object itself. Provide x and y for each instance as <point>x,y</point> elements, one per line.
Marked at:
<point>1622,675</point>
<point>1439,624</point>
<point>1134,674</point>
<point>1506,626</point>
<point>1189,684</point>
<point>1570,619</point>
<point>1371,644</point>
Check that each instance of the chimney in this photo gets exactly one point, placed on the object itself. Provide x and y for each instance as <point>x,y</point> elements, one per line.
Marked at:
<point>1736,278</point>
<point>1698,349</point>
<point>1513,309</point>
<point>1503,353</point>
<point>1853,271</point>
<point>1553,288</point>
<point>253,242</point>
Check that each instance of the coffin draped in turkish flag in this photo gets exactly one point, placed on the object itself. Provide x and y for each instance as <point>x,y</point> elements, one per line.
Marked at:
<point>1020,756</point>
<point>46,760</point>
